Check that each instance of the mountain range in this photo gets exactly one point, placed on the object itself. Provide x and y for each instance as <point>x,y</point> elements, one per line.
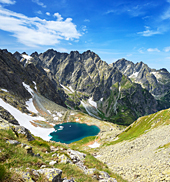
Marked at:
<point>41,90</point>
<point>120,92</point>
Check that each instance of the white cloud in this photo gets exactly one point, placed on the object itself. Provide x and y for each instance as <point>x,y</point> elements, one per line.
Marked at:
<point>8,1</point>
<point>39,3</point>
<point>47,13</point>
<point>59,18</point>
<point>39,12</point>
<point>148,32</point>
<point>167,49</point>
<point>141,50</point>
<point>153,50</point>
<point>166,14</point>
<point>129,55</point>
<point>35,31</point>
<point>84,28</point>
<point>86,20</point>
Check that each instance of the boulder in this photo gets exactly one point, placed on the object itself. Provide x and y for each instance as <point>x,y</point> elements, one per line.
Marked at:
<point>76,155</point>
<point>13,142</point>
<point>52,174</point>
<point>23,131</point>
<point>64,159</point>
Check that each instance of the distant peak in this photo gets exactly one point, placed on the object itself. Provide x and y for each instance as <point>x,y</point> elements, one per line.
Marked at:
<point>163,69</point>
<point>25,53</point>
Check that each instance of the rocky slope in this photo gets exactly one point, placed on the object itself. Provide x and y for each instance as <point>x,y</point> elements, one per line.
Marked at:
<point>141,152</point>
<point>53,162</point>
<point>41,90</point>
<point>94,87</point>
<point>157,82</point>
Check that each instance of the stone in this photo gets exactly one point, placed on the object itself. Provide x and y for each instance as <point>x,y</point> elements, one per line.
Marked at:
<point>35,173</point>
<point>103,175</point>
<point>52,163</point>
<point>26,176</point>
<point>64,159</point>
<point>27,147</point>
<point>4,125</point>
<point>76,155</point>
<point>29,150</point>
<point>90,171</point>
<point>37,155</point>
<point>13,142</point>
<point>22,130</point>
<point>43,166</point>
<point>53,155</point>
<point>68,180</point>
<point>108,180</point>
<point>81,165</point>
<point>52,174</point>
<point>53,149</point>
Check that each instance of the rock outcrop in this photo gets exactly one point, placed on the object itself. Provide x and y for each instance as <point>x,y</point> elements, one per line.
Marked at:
<point>157,82</point>
<point>93,86</point>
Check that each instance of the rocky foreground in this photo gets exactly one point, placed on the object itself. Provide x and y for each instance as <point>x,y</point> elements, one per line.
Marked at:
<point>146,158</point>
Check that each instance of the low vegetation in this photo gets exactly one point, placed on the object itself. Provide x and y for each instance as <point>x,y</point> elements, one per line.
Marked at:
<point>14,157</point>
<point>143,125</point>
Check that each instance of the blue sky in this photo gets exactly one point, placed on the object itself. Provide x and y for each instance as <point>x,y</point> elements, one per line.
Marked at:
<point>136,30</point>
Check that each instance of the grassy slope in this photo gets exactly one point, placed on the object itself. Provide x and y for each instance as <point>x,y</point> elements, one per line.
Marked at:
<point>143,125</point>
<point>15,157</point>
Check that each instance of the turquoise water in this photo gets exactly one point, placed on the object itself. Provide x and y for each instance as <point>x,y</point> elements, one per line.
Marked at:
<point>71,132</point>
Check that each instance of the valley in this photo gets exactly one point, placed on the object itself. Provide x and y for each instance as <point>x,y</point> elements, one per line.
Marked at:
<point>128,102</point>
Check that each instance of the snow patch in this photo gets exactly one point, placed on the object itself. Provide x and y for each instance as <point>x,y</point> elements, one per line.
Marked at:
<point>35,85</point>
<point>49,111</point>
<point>87,107</point>
<point>28,88</point>
<point>134,74</point>
<point>55,118</point>
<point>65,88</point>
<point>26,57</point>
<point>59,114</point>
<point>101,99</point>
<point>157,75</point>
<point>4,90</point>
<point>94,145</point>
<point>71,89</point>
<point>46,70</point>
<point>93,103</point>
<point>24,120</point>
<point>30,106</point>
<point>127,68</point>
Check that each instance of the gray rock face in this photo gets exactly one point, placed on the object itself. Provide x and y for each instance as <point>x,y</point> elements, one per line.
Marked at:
<point>4,114</point>
<point>22,130</point>
<point>86,76</point>
<point>84,82</point>
<point>157,82</point>
<point>13,74</point>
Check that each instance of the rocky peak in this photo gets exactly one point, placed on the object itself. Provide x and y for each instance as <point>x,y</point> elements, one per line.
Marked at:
<point>89,54</point>
<point>35,54</point>
<point>17,55</point>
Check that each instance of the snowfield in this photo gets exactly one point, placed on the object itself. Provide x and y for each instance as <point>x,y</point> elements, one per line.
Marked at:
<point>94,145</point>
<point>24,120</point>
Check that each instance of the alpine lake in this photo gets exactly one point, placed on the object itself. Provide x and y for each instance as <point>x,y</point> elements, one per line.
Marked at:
<point>73,131</point>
